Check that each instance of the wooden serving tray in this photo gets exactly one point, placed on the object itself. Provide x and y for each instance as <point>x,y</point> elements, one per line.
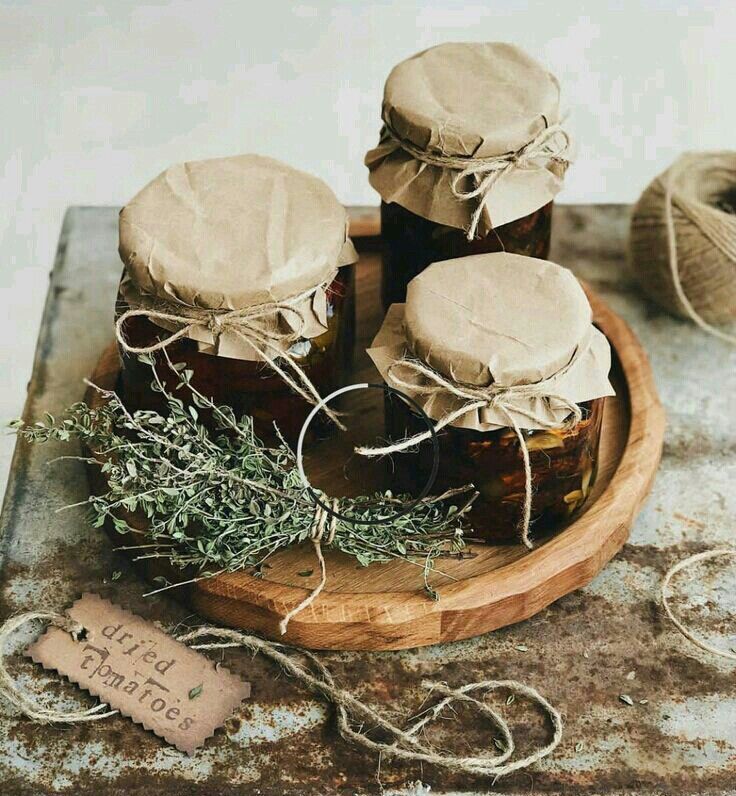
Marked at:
<point>384,606</point>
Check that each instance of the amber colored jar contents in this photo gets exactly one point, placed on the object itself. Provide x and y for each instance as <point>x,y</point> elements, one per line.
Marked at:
<point>411,243</point>
<point>248,387</point>
<point>564,466</point>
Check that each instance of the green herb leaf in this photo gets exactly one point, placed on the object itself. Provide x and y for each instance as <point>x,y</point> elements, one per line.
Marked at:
<point>195,692</point>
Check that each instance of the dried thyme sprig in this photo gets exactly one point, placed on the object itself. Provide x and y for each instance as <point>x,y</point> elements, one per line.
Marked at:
<point>223,500</point>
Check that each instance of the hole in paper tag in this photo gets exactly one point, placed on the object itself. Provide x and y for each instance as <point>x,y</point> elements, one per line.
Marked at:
<point>134,667</point>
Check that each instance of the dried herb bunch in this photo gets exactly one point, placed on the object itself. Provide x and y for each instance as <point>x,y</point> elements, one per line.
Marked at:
<point>220,501</point>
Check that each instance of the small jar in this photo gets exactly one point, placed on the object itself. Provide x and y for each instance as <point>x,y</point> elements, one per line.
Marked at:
<point>470,158</point>
<point>510,339</point>
<point>252,260</point>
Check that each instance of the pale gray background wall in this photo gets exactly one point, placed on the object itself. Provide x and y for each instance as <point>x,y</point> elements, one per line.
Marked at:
<point>97,98</point>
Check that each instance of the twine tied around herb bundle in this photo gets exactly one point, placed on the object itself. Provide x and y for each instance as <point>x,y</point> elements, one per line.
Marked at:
<point>553,143</point>
<point>257,325</point>
<point>323,520</point>
<point>404,744</point>
<point>493,396</point>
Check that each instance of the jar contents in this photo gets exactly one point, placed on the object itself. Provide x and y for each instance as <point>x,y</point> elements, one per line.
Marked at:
<point>249,387</point>
<point>564,464</point>
<point>411,243</point>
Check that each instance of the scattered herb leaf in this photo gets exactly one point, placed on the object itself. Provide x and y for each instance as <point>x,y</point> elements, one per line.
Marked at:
<point>195,692</point>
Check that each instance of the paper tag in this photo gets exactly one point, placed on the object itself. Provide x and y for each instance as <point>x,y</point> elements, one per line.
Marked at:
<point>141,671</point>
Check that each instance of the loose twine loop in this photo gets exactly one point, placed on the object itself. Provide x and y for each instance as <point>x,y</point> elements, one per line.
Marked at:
<point>22,699</point>
<point>678,567</point>
<point>257,325</point>
<point>506,399</point>
<point>552,144</point>
<point>405,744</point>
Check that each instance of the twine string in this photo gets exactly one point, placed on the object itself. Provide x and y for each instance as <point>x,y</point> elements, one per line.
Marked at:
<point>20,698</point>
<point>681,627</point>
<point>258,326</point>
<point>353,715</point>
<point>507,399</point>
<point>322,520</point>
<point>551,144</point>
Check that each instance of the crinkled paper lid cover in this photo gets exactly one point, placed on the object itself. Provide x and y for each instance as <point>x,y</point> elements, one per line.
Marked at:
<point>498,318</point>
<point>466,99</point>
<point>232,232</point>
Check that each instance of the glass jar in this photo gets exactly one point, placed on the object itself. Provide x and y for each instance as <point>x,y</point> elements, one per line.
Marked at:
<point>500,352</point>
<point>411,243</point>
<point>233,262</point>
<point>564,465</point>
<point>471,155</point>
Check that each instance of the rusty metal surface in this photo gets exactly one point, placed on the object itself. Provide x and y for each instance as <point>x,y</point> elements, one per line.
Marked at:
<point>580,653</point>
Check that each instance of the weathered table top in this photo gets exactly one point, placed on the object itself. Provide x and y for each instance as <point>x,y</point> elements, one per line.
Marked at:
<point>580,652</point>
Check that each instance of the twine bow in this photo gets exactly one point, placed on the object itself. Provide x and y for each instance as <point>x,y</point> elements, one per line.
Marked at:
<point>553,143</point>
<point>509,400</point>
<point>259,326</point>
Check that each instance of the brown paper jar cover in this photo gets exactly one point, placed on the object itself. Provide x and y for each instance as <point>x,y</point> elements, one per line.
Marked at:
<point>501,319</point>
<point>464,100</point>
<point>229,234</point>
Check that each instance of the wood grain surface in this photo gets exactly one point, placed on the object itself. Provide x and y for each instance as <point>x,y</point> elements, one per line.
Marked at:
<point>384,606</point>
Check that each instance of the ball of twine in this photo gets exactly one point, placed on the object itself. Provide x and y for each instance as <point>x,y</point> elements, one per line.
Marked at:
<point>683,240</point>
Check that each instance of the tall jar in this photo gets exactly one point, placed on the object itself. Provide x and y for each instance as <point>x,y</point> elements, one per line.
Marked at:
<point>500,352</point>
<point>239,270</point>
<point>470,157</point>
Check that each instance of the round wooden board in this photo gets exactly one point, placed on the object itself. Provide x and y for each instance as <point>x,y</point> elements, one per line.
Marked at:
<point>384,606</point>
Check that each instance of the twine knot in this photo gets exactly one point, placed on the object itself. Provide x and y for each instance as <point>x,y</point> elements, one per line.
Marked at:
<point>21,698</point>
<point>509,399</point>
<point>269,329</point>
<point>553,143</point>
<point>322,518</point>
<point>215,325</point>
